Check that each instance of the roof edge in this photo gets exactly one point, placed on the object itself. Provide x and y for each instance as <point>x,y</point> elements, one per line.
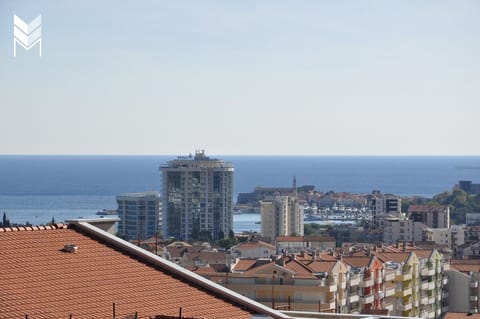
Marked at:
<point>179,271</point>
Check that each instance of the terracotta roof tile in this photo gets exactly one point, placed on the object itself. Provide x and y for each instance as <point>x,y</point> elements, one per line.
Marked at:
<point>466,268</point>
<point>299,269</point>
<point>255,245</point>
<point>40,280</point>
<point>244,265</point>
<point>461,315</point>
<point>294,239</point>
<point>423,253</point>
<point>322,266</point>
<point>357,261</point>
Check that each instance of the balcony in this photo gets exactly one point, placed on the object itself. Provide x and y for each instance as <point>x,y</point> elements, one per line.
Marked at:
<point>424,285</point>
<point>405,307</point>
<point>343,284</point>
<point>431,300</point>
<point>331,285</point>
<point>404,292</point>
<point>389,275</point>
<point>354,280</point>
<point>378,280</point>
<point>473,298</point>
<point>404,277</point>
<point>439,297</point>
<point>431,314</point>
<point>474,284</point>
<point>353,298</point>
<point>438,312</point>
<point>428,272</point>
<point>327,306</point>
<point>389,291</point>
<point>424,300</point>
<point>388,305</point>
<point>366,282</point>
<point>366,299</point>
<point>431,285</point>
<point>342,301</point>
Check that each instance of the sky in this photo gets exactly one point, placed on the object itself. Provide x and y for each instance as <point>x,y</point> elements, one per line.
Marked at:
<point>242,77</point>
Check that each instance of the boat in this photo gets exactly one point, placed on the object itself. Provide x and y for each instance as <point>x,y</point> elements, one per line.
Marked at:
<point>107,212</point>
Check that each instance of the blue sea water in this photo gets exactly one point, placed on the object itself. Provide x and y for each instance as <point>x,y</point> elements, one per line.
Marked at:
<point>37,188</point>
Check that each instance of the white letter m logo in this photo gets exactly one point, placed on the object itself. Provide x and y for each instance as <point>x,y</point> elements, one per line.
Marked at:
<point>27,35</point>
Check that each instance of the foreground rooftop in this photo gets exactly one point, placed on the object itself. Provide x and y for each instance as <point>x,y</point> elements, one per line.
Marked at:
<point>82,271</point>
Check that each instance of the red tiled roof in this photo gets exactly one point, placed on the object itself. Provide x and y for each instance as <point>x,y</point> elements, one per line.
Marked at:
<point>423,253</point>
<point>298,268</point>
<point>465,261</point>
<point>322,266</point>
<point>244,265</point>
<point>357,261</point>
<point>40,280</point>
<point>255,245</point>
<point>461,315</point>
<point>466,268</point>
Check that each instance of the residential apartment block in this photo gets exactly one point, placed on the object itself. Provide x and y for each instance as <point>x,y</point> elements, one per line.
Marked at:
<point>197,197</point>
<point>464,279</point>
<point>298,244</point>
<point>401,229</point>
<point>140,215</point>
<point>281,216</point>
<point>382,206</point>
<point>401,281</point>
<point>434,216</point>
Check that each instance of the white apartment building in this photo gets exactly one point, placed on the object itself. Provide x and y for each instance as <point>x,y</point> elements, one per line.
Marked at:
<point>281,216</point>
<point>399,230</point>
<point>197,197</point>
<point>383,206</point>
<point>140,215</point>
<point>434,216</point>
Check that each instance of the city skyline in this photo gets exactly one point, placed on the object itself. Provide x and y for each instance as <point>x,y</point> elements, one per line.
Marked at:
<point>253,78</point>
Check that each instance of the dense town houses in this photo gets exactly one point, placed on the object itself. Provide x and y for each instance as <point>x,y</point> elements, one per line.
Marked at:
<point>400,280</point>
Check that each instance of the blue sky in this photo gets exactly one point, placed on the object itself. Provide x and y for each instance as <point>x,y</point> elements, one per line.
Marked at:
<point>243,77</point>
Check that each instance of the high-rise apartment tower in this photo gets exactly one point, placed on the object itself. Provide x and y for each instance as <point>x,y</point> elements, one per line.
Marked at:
<point>282,215</point>
<point>197,197</point>
<point>140,215</point>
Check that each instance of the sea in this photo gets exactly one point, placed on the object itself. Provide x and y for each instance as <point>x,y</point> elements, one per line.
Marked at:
<point>35,189</point>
